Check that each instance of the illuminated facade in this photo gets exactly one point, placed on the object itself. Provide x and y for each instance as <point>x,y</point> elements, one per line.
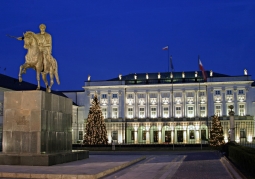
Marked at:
<point>173,107</point>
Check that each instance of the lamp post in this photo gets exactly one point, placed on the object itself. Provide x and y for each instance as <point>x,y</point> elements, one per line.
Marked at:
<point>232,123</point>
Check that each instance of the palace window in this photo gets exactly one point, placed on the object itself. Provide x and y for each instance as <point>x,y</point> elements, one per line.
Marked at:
<point>153,112</point>
<point>241,110</point>
<point>130,96</point>
<point>153,95</point>
<point>165,112</point>
<point>130,113</point>
<point>190,111</point>
<point>114,113</point>
<point>104,111</point>
<point>191,134</point>
<point>218,110</point>
<point>92,96</point>
<point>141,95</point>
<point>217,92</point>
<point>202,93</point>
<point>240,92</point>
<point>242,133</point>
<point>80,135</point>
<point>202,111</point>
<point>178,112</point>
<point>114,95</point>
<point>229,92</point>
<point>114,135</point>
<point>141,113</point>
<point>104,96</point>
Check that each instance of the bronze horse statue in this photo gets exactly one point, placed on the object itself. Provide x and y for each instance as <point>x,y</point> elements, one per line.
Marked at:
<point>34,59</point>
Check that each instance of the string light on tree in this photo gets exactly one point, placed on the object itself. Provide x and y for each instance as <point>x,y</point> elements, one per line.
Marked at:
<point>95,131</point>
<point>216,133</point>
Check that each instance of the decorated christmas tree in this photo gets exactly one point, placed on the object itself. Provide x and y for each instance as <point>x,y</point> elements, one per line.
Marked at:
<point>95,131</point>
<point>216,133</point>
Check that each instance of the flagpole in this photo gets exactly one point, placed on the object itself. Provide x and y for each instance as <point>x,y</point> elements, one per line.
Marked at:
<point>168,58</point>
<point>199,106</point>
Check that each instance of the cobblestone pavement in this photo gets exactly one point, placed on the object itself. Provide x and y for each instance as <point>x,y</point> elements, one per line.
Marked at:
<point>194,165</point>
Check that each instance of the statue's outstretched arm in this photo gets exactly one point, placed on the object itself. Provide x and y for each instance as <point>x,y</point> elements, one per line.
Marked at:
<point>20,38</point>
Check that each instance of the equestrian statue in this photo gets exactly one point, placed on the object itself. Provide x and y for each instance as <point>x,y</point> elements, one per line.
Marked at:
<point>38,57</point>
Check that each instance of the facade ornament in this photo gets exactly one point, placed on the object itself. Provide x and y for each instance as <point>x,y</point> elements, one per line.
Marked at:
<point>147,76</point>
<point>177,100</point>
<point>183,74</point>
<point>141,101</point>
<point>135,76</point>
<point>153,100</point>
<point>165,100</point>
<point>229,98</point>
<point>195,74</point>
<point>245,72</point>
<point>211,73</point>
<point>159,75</point>
<point>120,76</point>
<point>89,77</point>
<point>190,100</point>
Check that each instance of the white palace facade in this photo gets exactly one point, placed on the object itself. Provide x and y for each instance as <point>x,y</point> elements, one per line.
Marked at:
<point>155,108</point>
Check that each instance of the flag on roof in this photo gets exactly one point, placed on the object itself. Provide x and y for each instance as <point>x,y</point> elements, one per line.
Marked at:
<point>202,68</point>
<point>165,48</point>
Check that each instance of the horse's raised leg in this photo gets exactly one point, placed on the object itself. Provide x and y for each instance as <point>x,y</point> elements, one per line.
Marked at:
<point>22,69</point>
<point>45,80</point>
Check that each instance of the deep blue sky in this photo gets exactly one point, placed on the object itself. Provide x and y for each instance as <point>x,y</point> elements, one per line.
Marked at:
<point>107,38</point>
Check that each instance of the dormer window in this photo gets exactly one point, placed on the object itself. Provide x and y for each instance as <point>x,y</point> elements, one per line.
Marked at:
<point>240,92</point>
<point>229,92</point>
<point>114,95</point>
<point>217,92</point>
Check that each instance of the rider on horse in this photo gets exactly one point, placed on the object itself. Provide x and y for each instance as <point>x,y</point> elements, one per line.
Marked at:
<point>45,45</point>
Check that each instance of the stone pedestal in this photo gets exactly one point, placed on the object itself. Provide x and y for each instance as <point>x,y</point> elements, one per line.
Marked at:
<point>37,129</point>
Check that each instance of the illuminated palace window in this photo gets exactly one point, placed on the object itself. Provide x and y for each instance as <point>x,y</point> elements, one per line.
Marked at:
<point>178,112</point>
<point>141,113</point>
<point>218,110</point>
<point>114,113</point>
<point>202,111</point>
<point>153,112</point>
<point>104,111</point>
<point>165,112</point>
<point>130,113</point>
<point>190,111</point>
<point>241,110</point>
<point>130,96</point>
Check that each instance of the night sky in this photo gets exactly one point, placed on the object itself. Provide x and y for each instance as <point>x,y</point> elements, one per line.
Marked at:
<point>108,38</point>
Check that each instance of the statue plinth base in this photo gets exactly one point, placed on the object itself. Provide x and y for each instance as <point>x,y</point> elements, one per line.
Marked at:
<point>37,129</point>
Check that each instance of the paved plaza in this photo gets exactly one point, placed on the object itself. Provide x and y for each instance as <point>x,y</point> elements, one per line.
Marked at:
<point>149,165</point>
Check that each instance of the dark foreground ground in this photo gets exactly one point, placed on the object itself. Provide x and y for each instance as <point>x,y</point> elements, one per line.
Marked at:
<point>133,164</point>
